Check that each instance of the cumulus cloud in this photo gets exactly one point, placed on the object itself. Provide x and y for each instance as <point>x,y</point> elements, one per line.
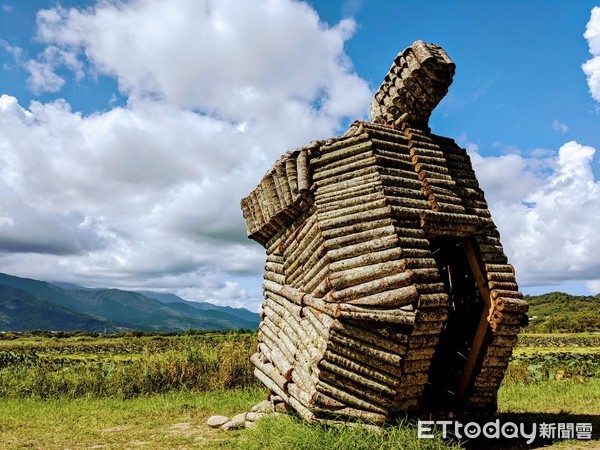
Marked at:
<point>147,195</point>
<point>592,66</point>
<point>547,211</point>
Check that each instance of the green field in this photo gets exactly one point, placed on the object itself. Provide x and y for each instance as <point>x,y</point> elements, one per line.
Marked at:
<point>157,392</point>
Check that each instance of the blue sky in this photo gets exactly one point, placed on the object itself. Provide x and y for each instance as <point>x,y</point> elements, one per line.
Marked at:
<point>130,130</point>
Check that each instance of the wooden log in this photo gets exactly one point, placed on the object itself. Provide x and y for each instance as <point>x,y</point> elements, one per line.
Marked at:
<point>352,312</point>
<point>395,155</point>
<point>499,268</point>
<point>274,277</point>
<point>320,305</point>
<point>301,395</point>
<point>342,171</point>
<point>333,167</point>
<point>355,388</point>
<point>343,183</point>
<point>365,268</point>
<point>278,359</point>
<point>287,345</point>
<point>506,329</point>
<point>513,305</point>
<point>432,315</point>
<point>427,328</point>
<point>362,248</point>
<point>361,294</point>
<point>286,291</point>
<point>391,160</point>
<point>362,346</point>
<point>344,396</point>
<point>297,268</point>
<point>290,333</point>
<point>424,275</point>
<point>330,157</point>
<point>304,412</point>
<point>356,228</point>
<point>404,192</point>
<point>371,195</point>
<point>405,213</point>
<point>390,340</point>
<point>300,247</point>
<point>378,202</point>
<point>362,358</point>
<point>430,288</point>
<point>302,378</point>
<point>354,174</point>
<point>392,180</point>
<point>398,174</point>
<point>305,226</point>
<point>351,219</point>
<point>418,263</point>
<point>503,285</point>
<point>427,152</point>
<point>362,369</point>
<point>320,321</point>
<point>418,203</point>
<point>313,277</point>
<point>312,284</point>
<point>270,371</point>
<point>495,293</point>
<point>267,336</point>
<point>508,317</point>
<point>393,298</point>
<point>356,378</point>
<point>433,300</point>
<point>345,143</point>
<point>351,191</point>
<point>282,302</point>
<point>508,277</point>
<point>356,238</point>
<point>275,267</point>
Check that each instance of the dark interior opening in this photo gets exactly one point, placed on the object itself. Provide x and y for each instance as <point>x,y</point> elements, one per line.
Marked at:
<point>456,339</point>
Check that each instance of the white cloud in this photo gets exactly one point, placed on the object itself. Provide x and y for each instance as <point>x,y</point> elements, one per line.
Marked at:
<point>548,213</point>
<point>227,57</point>
<point>594,286</point>
<point>42,77</point>
<point>559,126</point>
<point>147,195</point>
<point>592,66</point>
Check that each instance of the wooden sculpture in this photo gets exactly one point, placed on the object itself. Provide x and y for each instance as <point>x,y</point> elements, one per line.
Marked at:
<point>386,288</point>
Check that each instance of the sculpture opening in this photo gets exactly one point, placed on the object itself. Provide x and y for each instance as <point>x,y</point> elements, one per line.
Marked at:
<point>450,373</point>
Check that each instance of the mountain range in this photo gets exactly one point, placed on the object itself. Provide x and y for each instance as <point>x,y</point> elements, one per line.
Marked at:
<point>27,304</point>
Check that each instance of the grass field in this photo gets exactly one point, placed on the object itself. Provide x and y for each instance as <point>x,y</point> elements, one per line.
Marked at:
<point>157,392</point>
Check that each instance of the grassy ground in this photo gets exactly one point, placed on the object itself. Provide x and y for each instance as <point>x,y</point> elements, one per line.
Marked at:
<point>178,420</point>
<point>174,420</point>
<point>70,393</point>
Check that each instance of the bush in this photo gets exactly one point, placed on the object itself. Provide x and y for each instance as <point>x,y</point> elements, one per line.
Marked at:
<point>80,368</point>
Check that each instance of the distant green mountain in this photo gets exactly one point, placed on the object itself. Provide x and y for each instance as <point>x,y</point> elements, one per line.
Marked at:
<point>173,300</point>
<point>558,312</point>
<point>122,309</point>
<point>21,311</point>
